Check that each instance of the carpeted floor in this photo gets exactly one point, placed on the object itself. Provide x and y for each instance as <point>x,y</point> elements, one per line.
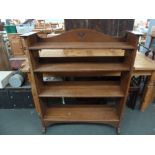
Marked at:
<point>26,122</point>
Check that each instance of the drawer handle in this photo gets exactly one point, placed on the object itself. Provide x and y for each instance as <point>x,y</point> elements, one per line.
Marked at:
<point>11,97</point>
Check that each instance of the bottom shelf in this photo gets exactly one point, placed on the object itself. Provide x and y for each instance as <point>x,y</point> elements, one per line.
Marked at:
<point>81,113</point>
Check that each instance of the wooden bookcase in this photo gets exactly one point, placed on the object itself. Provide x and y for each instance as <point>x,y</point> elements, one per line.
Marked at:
<point>80,53</point>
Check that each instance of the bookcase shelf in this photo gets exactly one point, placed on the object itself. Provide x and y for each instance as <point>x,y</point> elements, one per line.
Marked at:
<point>80,113</point>
<point>81,67</point>
<point>81,89</point>
<point>82,45</point>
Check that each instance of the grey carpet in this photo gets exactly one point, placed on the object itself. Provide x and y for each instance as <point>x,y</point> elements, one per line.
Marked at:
<point>26,122</point>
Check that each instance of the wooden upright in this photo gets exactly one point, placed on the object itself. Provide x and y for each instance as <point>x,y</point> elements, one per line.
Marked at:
<point>80,53</point>
<point>4,59</point>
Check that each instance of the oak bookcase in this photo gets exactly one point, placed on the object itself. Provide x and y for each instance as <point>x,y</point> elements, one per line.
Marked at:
<point>80,53</point>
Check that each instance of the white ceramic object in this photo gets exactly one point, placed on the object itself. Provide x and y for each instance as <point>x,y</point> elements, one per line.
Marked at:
<point>4,78</point>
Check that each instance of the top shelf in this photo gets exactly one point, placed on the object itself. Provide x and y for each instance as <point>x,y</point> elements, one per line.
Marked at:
<point>82,45</point>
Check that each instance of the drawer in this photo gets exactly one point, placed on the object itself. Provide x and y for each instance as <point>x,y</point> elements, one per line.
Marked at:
<point>4,100</point>
<point>21,98</point>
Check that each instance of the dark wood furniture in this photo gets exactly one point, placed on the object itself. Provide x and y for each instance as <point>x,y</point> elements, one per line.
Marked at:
<point>113,27</point>
<point>1,27</point>
<point>10,98</point>
<point>84,65</point>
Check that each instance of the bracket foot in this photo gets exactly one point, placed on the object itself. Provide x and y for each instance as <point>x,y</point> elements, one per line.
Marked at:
<point>43,130</point>
<point>118,131</point>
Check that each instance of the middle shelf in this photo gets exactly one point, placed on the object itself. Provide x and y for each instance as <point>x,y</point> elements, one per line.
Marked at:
<point>81,89</point>
<point>81,67</point>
